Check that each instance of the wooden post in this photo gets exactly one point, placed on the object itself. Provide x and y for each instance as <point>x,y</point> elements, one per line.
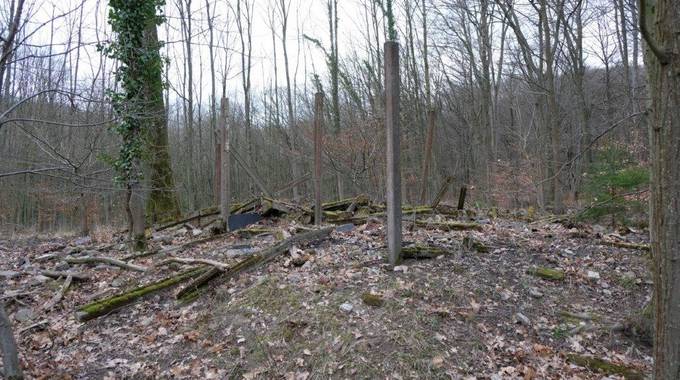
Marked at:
<point>461,198</point>
<point>217,180</point>
<point>427,160</point>
<point>8,347</point>
<point>225,193</point>
<point>393,191</point>
<point>318,121</point>
<point>138,218</point>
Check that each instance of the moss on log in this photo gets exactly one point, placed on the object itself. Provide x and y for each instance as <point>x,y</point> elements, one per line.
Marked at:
<point>449,225</point>
<point>236,208</point>
<point>547,273</point>
<point>256,230</point>
<point>109,304</point>
<point>473,244</point>
<point>344,204</point>
<point>371,299</point>
<point>420,252</point>
<point>623,244</point>
<point>604,366</point>
<point>253,261</point>
<point>416,210</point>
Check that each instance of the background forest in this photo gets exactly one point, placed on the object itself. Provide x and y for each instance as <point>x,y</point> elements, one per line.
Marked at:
<point>528,103</point>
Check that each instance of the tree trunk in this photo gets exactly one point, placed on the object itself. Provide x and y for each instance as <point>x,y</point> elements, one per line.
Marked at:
<point>662,17</point>
<point>162,203</point>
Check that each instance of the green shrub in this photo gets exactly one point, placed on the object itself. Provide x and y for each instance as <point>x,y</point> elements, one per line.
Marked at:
<point>613,174</point>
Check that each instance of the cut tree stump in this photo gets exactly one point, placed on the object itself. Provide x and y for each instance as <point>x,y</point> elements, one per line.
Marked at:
<point>109,304</point>
<point>253,261</point>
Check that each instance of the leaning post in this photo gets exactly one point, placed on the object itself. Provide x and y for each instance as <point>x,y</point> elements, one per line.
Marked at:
<point>318,123</point>
<point>393,191</point>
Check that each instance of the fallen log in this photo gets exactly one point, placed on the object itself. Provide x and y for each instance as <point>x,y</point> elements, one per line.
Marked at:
<point>109,304</point>
<point>546,273</point>
<point>360,200</point>
<point>253,261</point>
<point>293,183</point>
<point>345,204</point>
<point>188,260</point>
<point>104,260</point>
<point>623,244</point>
<point>449,226</point>
<point>76,276</point>
<point>10,355</point>
<point>60,294</point>
<point>442,192</point>
<point>605,367</point>
<point>420,252</point>
<point>236,208</point>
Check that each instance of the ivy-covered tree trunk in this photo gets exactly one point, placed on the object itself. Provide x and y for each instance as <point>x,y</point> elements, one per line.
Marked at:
<point>141,121</point>
<point>660,25</point>
<point>162,203</point>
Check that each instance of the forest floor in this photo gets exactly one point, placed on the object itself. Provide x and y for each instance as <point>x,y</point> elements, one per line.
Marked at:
<point>334,309</point>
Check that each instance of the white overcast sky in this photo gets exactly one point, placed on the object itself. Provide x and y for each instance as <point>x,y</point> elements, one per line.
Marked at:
<point>310,16</point>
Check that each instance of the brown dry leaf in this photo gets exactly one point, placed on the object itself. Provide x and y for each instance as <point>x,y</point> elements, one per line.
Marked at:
<point>438,361</point>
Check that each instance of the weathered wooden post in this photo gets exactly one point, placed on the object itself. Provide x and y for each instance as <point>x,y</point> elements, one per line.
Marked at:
<point>225,194</point>
<point>461,198</point>
<point>318,122</point>
<point>8,348</point>
<point>136,214</point>
<point>393,191</point>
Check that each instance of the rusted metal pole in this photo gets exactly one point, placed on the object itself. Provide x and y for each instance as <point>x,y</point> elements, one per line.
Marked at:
<point>393,191</point>
<point>318,122</point>
<point>225,193</point>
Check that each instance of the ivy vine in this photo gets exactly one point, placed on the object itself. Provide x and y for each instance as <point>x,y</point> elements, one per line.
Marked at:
<point>137,75</point>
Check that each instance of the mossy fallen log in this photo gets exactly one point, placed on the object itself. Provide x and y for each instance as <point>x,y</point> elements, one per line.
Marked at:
<point>547,273</point>
<point>603,366</point>
<point>336,216</point>
<point>236,208</point>
<point>253,261</point>
<point>623,244</point>
<point>449,225</point>
<point>346,204</point>
<point>473,244</point>
<point>410,210</point>
<point>109,304</point>
<point>372,299</point>
<point>257,230</point>
<point>420,252</point>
